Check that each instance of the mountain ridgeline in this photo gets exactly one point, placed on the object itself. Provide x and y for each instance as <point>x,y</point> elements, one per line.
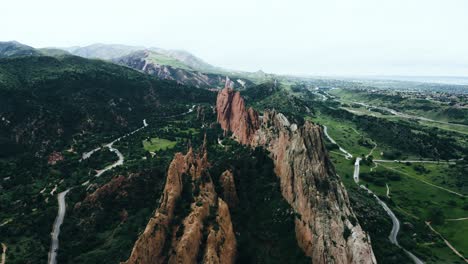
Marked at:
<point>171,68</point>
<point>176,65</point>
<point>45,101</point>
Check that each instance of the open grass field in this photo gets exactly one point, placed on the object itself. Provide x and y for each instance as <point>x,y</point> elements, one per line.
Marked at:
<point>156,144</point>
<point>347,136</point>
<point>413,197</point>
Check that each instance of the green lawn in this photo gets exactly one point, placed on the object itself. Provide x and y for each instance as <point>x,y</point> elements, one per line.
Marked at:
<point>156,144</point>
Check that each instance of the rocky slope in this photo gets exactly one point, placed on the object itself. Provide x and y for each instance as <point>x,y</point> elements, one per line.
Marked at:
<point>326,228</point>
<point>171,68</point>
<point>191,224</point>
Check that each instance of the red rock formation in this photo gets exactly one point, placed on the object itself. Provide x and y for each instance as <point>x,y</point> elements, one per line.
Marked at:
<point>308,181</point>
<point>54,157</point>
<point>115,187</point>
<point>229,189</point>
<point>174,235</point>
<point>232,115</point>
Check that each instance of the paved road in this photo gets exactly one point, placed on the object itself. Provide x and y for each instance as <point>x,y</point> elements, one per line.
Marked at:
<point>395,228</point>
<point>61,196</point>
<point>88,154</point>
<point>120,159</point>
<point>416,161</point>
<point>396,223</point>
<point>408,116</point>
<point>356,170</point>
<point>56,229</point>
<point>347,154</point>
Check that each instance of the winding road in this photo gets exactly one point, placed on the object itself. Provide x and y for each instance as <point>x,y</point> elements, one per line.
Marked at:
<point>56,229</point>
<point>61,196</point>
<point>395,228</point>
<point>396,223</point>
<point>120,159</point>
<point>347,154</point>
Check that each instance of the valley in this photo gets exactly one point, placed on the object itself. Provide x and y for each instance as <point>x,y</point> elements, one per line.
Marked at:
<point>134,155</point>
<point>422,173</point>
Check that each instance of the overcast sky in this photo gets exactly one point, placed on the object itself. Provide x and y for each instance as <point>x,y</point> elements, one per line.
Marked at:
<point>314,37</point>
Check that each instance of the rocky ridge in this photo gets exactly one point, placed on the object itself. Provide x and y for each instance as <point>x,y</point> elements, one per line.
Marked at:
<point>326,227</point>
<point>192,223</point>
<point>174,70</point>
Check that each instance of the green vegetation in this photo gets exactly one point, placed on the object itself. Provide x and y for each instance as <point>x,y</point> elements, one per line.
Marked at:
<point>412,197</point>
<point>263,220</point>
<point>70,105</point>
<point>405,136</point>
<point>376,222</point>
<point>440,111</point>
<point>162,59</point>
<point>156,144</point>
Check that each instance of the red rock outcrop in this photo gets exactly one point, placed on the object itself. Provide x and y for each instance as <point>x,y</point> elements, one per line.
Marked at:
<point>229,189</point>
<point>308,181</point>
<point>54,157</point>
<point>189,207</point>
<point>232,115</point>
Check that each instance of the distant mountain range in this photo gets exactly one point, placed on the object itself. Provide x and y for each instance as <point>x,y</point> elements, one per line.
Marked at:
<point>115,51</point>
<point>177,65</point>
<point>10,49</point>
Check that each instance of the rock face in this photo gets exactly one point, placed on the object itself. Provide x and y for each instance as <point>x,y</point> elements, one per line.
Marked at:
<point>326,227</point>
<point>54,157</point>
<point>179,71</point>
<point>191,223</point>
<point>233,116</point>
<point>229,189</point>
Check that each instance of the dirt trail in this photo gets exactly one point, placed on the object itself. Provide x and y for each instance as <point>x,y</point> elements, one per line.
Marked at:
<point>447,243</point>
<point>426,182</point>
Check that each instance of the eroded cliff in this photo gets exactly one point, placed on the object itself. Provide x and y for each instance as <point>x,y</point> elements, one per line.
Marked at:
<point>191,224</point>
<point>326,228</point>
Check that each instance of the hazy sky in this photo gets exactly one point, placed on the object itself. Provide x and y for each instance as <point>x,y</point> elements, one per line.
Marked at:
<point>315,37</point>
